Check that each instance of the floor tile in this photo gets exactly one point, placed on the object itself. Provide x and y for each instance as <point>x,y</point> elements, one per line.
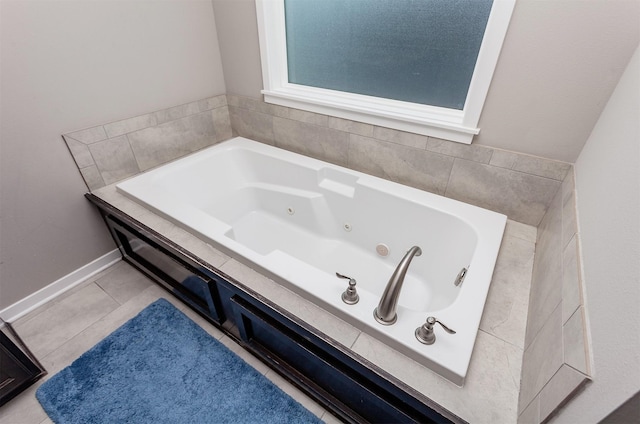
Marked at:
<point>56,325</point>
<point>85,340</point>
<point>124,282</point>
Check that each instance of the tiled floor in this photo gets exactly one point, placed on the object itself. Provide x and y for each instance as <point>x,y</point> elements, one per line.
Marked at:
<point>64,328</point>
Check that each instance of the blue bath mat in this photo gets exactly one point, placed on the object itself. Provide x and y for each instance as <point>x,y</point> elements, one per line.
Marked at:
<point>160,367</point>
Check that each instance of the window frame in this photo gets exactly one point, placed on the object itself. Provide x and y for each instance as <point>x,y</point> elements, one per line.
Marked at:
<point>449,124</point>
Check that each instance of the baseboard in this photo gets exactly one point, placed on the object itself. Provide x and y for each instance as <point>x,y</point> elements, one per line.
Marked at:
<point>45,294</point>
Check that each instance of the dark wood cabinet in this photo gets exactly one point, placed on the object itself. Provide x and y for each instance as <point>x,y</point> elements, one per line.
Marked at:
<point>18,368</point>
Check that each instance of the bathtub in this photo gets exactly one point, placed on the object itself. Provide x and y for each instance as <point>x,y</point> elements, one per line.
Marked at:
<point>300,220</point>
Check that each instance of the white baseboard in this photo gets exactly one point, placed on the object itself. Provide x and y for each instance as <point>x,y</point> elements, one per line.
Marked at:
<point>45,294</point>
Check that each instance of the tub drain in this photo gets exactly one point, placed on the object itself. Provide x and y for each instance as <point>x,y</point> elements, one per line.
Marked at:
<point>291,211</point>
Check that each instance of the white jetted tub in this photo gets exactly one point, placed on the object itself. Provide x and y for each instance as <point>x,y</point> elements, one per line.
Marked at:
<point>303,220</point>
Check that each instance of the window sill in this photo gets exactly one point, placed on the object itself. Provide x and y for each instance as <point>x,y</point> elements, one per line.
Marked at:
<point>404,116</point>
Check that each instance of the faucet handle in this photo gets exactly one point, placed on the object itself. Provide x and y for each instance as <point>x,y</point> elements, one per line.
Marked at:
<point>425,333</point>
<point>432,321</point>
<point>344,276</point>
<point>350,295</point>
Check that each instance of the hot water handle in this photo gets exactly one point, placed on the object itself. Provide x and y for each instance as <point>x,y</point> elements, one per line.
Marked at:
<point>425,333</point>
<point>350,295</point>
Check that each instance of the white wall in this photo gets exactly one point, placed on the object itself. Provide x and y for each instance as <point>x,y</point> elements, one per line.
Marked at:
<point>559,64</point>
<point>68,65</point>
<point>608,194</point>
<point>238,37</point>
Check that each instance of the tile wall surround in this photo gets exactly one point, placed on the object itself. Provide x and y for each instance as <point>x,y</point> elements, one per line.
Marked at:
<point>518,185</point>
<point>556,360</point>
<point>112,152</point>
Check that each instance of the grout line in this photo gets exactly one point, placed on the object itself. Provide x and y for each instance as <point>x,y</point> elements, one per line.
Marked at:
<point>446,188</point>
<point>355,340</point>
<point>501,339</point>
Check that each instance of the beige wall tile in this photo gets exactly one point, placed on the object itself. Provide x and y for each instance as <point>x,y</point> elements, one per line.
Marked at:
<point>255,105</point>
<point>546,283</point>
<point>352,127</point>
<point>569,214</point>
<point>222,123</point>
<point>312,140</point>
<point>92,177</point>
<point>531,414</point>
<point>573,334</point>
<point>212,102</point>
<point>522,197</point>
<point>177,112</point>
<point>125,126</point>
<point>557,256</point>
<point>89,135</point>
<point>563,384</point>
<point>114,159</point>
<point>80,153</point>
<point>503,159</point>
<point>541,167</point>
<point>414,167</point>
<point>400,137</point>
<point>160,144</point>
<point>542,358</point>
<point>521,231</point>
<point>250,124</point>
<point>308,117</point>
<point>571,287</point>
<point>463,151</point>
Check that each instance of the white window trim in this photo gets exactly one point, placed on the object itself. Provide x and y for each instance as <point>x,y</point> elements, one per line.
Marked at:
<point>449,124</point>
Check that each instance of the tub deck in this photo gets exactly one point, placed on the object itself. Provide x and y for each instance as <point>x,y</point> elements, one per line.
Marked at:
<point>491,388</point>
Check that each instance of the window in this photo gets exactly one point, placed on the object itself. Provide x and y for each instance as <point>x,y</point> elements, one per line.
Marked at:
<point>422,66</point>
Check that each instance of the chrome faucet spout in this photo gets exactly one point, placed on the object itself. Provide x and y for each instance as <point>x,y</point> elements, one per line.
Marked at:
<point>385,313</point>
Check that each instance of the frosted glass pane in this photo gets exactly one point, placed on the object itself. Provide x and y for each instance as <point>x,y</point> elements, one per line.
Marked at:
<point>420,51</point>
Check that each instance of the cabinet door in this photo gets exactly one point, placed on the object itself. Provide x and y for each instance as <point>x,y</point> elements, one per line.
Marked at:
<point>17,370</point>
<point>176,273</point>
<point>352,391</point>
